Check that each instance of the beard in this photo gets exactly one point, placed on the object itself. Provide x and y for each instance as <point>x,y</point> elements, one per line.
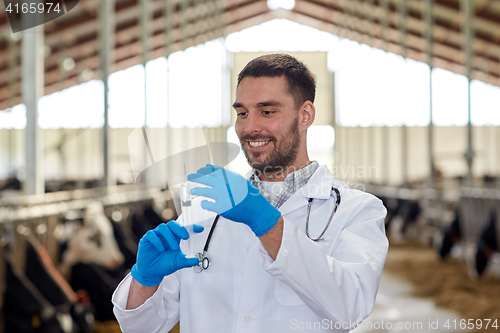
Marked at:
<point>282,155</point>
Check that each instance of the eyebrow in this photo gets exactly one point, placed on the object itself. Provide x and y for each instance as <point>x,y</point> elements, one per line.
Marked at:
<point>261,104</point>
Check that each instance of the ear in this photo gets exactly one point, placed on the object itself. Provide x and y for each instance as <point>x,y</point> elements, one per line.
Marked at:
<point>307,114</point>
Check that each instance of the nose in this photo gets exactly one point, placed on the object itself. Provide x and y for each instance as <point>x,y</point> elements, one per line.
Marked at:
<point>253,124</point>
<point>116,261</point>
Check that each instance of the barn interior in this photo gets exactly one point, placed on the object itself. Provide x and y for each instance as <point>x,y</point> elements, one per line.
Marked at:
<point>98,103</point>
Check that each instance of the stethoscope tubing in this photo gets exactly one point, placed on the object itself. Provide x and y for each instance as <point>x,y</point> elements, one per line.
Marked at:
<point>205,262</point>
<point>337,203</point>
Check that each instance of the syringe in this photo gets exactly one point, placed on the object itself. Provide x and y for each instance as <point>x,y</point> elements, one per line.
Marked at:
<point>187,217</point>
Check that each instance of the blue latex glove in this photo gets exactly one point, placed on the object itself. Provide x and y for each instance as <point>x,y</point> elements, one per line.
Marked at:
<point>235,198</point>
<point>159,253</point>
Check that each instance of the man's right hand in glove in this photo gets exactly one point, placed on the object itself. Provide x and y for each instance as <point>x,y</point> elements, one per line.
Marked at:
<point>160,255</point>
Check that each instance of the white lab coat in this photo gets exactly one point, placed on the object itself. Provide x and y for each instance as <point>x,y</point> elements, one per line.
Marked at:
<point>316,286</point>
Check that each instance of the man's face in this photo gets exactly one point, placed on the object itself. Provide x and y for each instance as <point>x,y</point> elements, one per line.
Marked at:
<point>267,123</point>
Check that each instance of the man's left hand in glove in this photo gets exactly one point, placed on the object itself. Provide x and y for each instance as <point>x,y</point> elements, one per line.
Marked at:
<point>235,198</point>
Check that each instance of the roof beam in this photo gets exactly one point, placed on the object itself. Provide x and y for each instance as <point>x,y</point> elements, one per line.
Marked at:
<point>86,52</point>
<point>446,57</point>
<point>360,23</point>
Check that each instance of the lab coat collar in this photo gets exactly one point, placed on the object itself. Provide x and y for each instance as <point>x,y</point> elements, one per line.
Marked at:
<point>319,186</point>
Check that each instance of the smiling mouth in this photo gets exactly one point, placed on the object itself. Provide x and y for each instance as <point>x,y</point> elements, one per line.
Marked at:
<point>258,146</point>
<point>257,143</point>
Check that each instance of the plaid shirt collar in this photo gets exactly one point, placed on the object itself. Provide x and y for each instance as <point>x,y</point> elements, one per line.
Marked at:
<point>291,184</point>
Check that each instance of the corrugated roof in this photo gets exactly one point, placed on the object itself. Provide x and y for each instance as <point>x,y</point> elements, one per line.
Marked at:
<point>374,22</point>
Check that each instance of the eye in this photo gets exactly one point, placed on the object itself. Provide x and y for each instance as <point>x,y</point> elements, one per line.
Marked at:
<point>241,114</point>
<point>268,112</point>
<point>96,238</point>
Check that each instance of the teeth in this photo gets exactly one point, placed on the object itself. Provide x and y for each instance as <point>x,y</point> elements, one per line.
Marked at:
<point>257,143</point>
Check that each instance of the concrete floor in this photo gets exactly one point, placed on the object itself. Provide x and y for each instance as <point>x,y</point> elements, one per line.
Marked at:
<point>397,311</point>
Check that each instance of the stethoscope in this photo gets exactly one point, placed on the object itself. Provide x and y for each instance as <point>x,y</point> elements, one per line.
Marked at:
<point>337,203</point>
<point>205,262</point>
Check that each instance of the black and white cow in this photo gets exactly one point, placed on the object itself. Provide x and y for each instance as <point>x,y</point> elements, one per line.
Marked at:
<point>37,299</point>
<point>93,242</point>
<point>487,245</point>
<point>101,250</point>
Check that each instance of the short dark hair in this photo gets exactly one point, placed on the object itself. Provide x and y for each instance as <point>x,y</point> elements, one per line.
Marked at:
<point>301,82</point>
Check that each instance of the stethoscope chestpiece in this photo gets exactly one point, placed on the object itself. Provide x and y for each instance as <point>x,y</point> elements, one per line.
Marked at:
<point>203,264</point>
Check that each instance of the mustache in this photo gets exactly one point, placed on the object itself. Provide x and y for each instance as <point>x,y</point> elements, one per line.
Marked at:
<point>250,137</point>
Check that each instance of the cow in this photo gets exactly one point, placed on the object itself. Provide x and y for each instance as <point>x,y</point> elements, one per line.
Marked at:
<point>38,299</point>
<point>451,236</point>
<point>93,243</point>
<point>89,244</point>
<point>487,245</point>
<point>101,250</point>
<point>474,232</point>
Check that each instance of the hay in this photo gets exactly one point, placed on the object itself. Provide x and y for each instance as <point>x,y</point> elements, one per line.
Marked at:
<point>446,282</point>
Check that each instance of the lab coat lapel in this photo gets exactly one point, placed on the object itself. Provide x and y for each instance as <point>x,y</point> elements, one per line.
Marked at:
<point>296,201</point>
<point>318,187</point>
